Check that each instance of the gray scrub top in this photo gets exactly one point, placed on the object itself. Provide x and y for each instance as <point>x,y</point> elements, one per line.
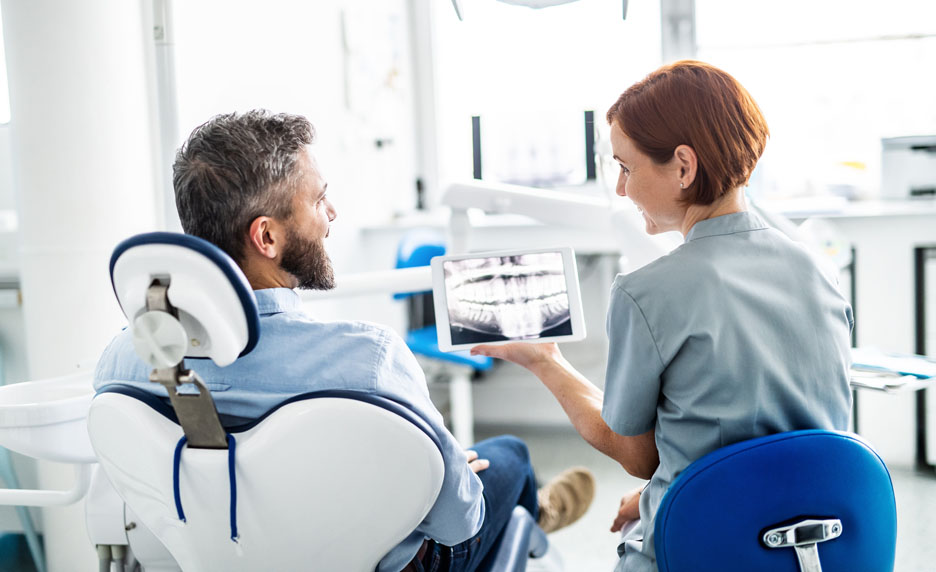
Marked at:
<point>736,334</point>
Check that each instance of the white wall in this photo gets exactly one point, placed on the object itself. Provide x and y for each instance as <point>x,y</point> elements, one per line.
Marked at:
<point>884,318</point>
<point>344,64</point>
<point>81,127</point>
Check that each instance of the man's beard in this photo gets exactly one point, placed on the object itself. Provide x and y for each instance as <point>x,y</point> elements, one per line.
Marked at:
<point>306,259</point>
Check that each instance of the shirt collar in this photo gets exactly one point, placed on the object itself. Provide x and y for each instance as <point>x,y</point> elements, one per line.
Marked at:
<point>277,300</point>
<point>726,224</point>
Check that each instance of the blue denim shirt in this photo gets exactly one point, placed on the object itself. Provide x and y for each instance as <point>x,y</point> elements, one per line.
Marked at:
<point>297,354</point>
<point>736,334</point>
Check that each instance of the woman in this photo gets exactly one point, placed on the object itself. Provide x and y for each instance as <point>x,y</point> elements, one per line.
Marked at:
<point>736,334</point>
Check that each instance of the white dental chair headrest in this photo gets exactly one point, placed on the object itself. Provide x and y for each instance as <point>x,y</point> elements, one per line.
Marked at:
<point>217,309</point>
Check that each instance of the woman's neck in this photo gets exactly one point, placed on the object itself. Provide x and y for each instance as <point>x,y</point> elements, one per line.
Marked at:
<point>733,201</point>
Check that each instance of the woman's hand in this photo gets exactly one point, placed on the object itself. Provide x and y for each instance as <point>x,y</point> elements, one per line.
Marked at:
<point>628,511</point>
<point>527,355</point>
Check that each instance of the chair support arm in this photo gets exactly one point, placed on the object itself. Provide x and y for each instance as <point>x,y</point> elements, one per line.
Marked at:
<point>20,497</point>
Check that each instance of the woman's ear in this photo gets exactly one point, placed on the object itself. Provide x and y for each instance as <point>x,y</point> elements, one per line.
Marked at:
<point>263,237</point>
<point>687,163</point>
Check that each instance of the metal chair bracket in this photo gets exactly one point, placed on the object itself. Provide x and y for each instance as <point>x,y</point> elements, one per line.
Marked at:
<point>804,537</point>
<point>196,411</point>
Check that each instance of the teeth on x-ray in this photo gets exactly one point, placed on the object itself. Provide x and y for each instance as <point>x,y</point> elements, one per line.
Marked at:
<point>517,296</point>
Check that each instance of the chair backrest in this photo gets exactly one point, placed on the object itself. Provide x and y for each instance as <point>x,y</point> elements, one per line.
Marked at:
<point>722,511</point>
<point>210,295</point>
<point>329,482</point>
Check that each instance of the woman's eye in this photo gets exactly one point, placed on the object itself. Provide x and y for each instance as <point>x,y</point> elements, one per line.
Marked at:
<point>625,170</point>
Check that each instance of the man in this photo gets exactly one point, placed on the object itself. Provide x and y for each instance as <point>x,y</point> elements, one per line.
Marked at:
<point>249,184</point>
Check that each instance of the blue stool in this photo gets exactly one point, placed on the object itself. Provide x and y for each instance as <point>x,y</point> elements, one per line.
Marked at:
<point>418,248</point>
<point>768,503</point>
<point>8,477</point>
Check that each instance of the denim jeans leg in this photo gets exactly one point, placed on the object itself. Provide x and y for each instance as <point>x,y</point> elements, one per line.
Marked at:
<point>508,482</point>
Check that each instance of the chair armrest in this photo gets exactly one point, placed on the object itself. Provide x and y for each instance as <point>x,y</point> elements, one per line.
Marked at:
<point>521,539</point>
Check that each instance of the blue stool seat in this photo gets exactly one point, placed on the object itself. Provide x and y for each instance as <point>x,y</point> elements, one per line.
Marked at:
<point>715,515</point>
<point>424,342</point>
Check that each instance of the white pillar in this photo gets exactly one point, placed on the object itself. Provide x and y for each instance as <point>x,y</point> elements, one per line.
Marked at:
<point>83,148</point>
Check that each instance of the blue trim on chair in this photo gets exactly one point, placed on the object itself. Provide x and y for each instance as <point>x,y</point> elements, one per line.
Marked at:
<point>176,464</point>
<point>165,409</point>
<point>379,401</point>
<point>155,402</point>
<point>216,255</point>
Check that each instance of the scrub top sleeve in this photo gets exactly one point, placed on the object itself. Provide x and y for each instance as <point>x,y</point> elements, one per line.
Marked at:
<point>632,381</point>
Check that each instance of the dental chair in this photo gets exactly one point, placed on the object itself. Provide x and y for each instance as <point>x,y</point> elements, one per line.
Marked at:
<point>329,480</point>
<point>799,501</point>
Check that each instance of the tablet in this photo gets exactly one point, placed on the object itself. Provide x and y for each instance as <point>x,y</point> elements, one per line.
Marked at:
<point>508,296</point>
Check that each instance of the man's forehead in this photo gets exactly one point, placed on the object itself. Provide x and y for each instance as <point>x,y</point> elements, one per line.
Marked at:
<point>312,167</point>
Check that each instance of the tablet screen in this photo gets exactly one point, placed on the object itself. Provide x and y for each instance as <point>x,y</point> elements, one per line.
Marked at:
<point>511,297</point>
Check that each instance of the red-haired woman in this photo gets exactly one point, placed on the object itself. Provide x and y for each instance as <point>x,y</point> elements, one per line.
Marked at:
<point>736,334</point>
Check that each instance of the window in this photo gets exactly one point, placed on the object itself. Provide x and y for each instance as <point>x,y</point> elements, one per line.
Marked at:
<point>832,79</point>
<point>539,66</point>
<point>4,91</point>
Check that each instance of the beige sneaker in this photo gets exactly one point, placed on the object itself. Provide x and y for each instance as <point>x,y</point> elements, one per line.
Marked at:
<point>564,499</point>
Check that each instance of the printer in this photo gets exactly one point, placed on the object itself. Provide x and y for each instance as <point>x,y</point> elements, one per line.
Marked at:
<point>908,167</point>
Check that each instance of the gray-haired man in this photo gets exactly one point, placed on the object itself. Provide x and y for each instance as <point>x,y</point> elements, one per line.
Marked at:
<point>250,184</point>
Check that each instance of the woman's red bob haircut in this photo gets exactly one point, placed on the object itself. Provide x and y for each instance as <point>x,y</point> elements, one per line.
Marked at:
<point>696,104</point>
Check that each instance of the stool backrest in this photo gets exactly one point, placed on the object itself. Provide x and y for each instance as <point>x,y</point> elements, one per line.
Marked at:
<point>716,513</point>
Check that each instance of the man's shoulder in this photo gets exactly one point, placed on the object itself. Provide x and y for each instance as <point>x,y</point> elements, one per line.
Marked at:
<point>344,332</point>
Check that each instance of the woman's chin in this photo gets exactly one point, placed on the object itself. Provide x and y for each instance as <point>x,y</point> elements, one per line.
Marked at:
<point>650,227</point>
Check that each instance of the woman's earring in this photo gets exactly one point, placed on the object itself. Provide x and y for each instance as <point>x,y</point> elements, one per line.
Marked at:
<point>680,185</point>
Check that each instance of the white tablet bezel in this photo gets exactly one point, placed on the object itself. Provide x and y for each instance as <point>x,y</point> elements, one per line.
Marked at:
<point>443,328</point>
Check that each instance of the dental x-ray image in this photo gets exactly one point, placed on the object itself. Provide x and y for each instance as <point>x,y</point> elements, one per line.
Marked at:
<point>507,298</point>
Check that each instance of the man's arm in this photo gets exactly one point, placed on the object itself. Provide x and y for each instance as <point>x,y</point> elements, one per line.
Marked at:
<point>458,511</point>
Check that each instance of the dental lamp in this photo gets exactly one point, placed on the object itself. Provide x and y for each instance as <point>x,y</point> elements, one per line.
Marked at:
<point>601,216</point>
<point>533,4</point>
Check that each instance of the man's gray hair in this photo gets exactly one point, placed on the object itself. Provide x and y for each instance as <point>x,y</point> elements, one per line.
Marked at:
<point>235,168</point>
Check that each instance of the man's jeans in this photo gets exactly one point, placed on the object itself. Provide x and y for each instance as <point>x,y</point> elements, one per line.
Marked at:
<point>508,482</point>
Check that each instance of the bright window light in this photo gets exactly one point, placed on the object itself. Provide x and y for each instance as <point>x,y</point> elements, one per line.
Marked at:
<point>833,78</point>
<point>4,91</point>
<point>532,71</point>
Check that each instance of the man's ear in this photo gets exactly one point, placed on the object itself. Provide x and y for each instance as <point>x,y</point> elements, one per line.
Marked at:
<point>263,237</point>
<point>687,162</point>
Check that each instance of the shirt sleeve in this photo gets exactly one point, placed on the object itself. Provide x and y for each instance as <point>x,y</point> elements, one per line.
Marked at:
<point>632,381</point>
<point>458,512</point>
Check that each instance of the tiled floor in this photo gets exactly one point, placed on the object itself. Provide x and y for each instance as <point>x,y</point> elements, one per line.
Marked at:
<point>589,546</point>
